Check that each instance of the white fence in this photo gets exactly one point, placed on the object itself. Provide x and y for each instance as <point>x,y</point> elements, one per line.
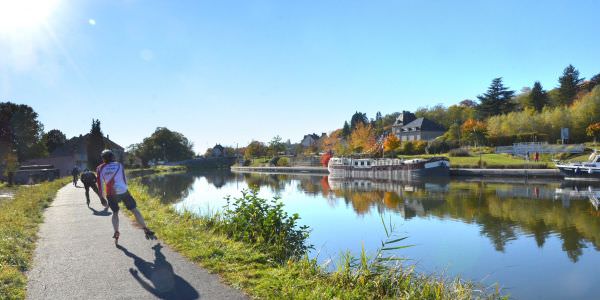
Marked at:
<point>522,149</point>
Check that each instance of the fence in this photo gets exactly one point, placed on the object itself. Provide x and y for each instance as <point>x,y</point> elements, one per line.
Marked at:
<point>521,149</point>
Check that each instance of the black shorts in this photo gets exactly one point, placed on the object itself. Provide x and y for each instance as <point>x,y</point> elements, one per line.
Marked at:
<point>113,201</point>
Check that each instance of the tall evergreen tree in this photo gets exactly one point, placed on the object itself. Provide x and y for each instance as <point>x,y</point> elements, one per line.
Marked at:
<point>346,129</point>
<point>358,117</point>
<point>569,85</point>
<point>95,145</point>
<point>497,100</point>
<point>537,98</point>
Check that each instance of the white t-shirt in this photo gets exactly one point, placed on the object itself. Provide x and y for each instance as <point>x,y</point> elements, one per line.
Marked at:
<point>111,179</point>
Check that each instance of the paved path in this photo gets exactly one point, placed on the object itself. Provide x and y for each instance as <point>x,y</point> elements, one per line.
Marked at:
<point>76,258</point>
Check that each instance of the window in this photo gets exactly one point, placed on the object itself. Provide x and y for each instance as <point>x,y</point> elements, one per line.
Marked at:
<point>368,163</point>
<point>362,163</point>
<point>356,163</point>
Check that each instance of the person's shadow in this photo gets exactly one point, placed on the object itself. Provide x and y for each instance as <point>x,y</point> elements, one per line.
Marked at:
<point>101,213</point>
<point>159,278</point>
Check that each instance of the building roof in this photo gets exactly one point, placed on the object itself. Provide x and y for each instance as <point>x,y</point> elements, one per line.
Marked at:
<point>424,124</point>
<point>79,143</point>
<point>218,146</point>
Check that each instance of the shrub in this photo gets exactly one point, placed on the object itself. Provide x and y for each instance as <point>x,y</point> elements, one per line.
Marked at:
<point>283,162</point>
<point>273,161</point>
<point>459,152</point>
<point>263,222</point>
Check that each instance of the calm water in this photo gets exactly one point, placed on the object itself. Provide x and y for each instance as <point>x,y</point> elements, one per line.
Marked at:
<point>537,239</point>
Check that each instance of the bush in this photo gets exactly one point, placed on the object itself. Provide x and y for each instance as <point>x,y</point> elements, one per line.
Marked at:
<point>283,162</point>
<point>263,222</point>
<point>459,152</point>
<point>273,161</point>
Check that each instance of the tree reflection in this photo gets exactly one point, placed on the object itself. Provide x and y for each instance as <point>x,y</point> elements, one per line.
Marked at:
<point>503,211</point>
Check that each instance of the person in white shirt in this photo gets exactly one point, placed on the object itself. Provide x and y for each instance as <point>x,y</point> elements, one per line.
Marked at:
<point>113,186</point>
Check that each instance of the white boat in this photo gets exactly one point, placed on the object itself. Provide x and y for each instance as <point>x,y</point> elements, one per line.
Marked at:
<point>589,169</point>
<point>388,168</point>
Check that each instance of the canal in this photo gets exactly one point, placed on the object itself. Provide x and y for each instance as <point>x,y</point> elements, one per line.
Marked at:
<point>536,239</point>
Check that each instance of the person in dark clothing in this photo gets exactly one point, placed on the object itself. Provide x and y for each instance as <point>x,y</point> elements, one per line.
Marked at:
<point>75,174</point>
<point>89,181</point>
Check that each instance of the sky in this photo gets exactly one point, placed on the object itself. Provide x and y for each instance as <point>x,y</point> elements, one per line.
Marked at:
<point>233,71</point>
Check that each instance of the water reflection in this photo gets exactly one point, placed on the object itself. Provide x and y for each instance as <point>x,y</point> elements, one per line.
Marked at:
<point>510,231</point>
<point>502,209</point>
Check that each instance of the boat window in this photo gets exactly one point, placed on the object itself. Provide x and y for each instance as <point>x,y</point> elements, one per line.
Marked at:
<point>356,163</point>
<point>368,163</point>
<point>362,163</point>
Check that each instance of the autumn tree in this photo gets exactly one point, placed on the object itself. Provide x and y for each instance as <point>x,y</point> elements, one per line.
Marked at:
<point>391,144</point>
<point>593,130</point>
<point>255,149</point>
<point>569,85</point>
<point>474,131</point>
<point>362,138</point>
<point>325,158</point>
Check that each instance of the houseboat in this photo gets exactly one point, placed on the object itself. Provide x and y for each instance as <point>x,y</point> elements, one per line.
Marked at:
<point>388,168</point>
<point>589,169</point>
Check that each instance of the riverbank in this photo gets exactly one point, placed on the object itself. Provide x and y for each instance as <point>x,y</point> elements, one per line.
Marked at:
<point>538,173</point>
<point>245,266</point>
<point>20,217</point>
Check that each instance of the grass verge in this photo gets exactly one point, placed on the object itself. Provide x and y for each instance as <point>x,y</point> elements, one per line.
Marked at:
<point>19,221</point>
<point>246,267</point>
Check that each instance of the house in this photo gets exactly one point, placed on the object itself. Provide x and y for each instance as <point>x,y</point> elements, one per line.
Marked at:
<point>310,140</point>
<point>218,151</point>
<point>410,128</point>
<point>74,153</point>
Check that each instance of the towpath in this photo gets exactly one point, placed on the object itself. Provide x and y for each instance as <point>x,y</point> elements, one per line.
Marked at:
<point>76,258</point>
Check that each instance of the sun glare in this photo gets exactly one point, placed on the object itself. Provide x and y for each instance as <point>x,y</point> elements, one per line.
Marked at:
<point>19,15</point>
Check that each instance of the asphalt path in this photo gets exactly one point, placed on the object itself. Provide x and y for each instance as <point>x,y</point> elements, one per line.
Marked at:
<point>76,258</point>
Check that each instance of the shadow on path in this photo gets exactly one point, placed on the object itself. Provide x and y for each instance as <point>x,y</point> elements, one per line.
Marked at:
<point>159,278</point>
<point>101,213</point>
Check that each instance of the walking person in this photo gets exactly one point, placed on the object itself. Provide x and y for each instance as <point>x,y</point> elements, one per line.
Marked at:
<point>75,174</point>
<point>113,186</point>
<point>88,178</point>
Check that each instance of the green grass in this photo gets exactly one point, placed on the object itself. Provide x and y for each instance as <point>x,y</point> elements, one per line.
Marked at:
<point>246,267</point>
<point>19,221</point>
<point>491,161</point>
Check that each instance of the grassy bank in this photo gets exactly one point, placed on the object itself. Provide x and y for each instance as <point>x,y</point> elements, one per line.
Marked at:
<point>19,221</point>
<point>248,267</point>
<point>156,170</point>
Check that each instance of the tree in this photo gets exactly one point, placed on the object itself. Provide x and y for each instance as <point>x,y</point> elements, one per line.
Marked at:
<point>537,98</point>
<point>593,130</point>
<point>325,158</point>
<point>362,138</point>
<point>276,146</point>
<point>358,118</point>
<point>497,100</point>
<point>594,81</point>
<point>346,131</point>
<point>165,145</point>
<point>255,149</point>
<point>569,85</point>
<point>20,131</point>
<point>474,130</point>
<point>391,144</point>
<point>54,139</point>
<point>95,145</point>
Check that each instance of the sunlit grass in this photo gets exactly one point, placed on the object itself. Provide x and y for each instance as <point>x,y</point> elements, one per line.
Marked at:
<point>19,221</point>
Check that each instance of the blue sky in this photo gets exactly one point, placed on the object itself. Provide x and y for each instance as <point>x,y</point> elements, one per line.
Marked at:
<point>233,71</point>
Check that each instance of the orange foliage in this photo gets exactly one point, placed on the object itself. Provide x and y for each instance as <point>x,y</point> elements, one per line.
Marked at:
<point>391,143</point>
